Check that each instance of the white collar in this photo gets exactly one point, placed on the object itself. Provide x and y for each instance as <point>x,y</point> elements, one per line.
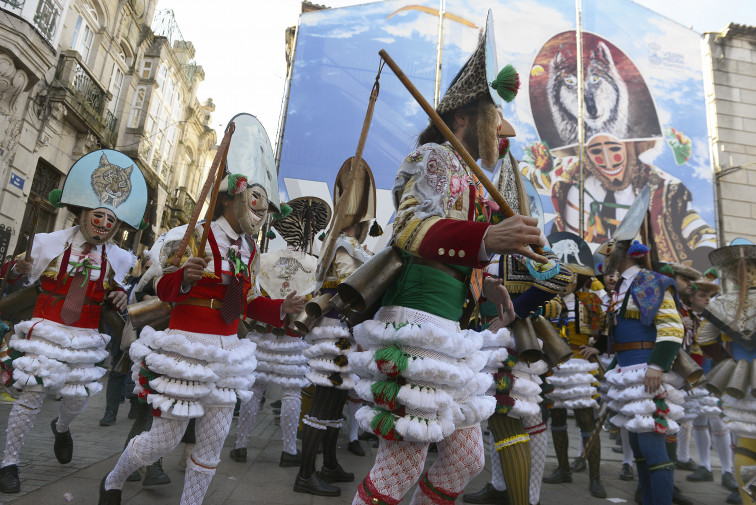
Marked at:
<point>227,229</point>
<point>630,273</point>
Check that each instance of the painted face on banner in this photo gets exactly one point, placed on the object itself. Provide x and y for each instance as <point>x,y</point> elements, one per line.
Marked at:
<point>98,225</point>
<point>611,160</point>
<point>251,208</point>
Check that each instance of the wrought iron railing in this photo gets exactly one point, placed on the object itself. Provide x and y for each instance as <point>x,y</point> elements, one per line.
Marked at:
<point>46,18</point>
<point>78,80</point>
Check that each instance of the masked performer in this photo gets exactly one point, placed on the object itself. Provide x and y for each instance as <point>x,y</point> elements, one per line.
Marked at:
<point>732,316</point>
<point>329,355</point>
<point>420,368</point>
<point>647,333</point>
<point>517,384</point>
<point>198,366</point>
<point>58,350</point>
<point>279,355</point>
<point>575,384</point>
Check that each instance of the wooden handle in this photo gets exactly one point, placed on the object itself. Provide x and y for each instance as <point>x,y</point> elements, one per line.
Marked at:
<point>32,229</point>
<point>436,119</point>
<point>220,158</point>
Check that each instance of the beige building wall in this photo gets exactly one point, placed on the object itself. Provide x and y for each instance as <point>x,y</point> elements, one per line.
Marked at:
<point>730,85</point>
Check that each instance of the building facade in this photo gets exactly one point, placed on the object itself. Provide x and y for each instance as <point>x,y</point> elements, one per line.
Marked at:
<point>731,100</point>
<point>72,77</point>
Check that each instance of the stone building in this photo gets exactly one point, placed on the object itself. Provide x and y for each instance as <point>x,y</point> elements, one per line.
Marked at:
<point>73,74</point>
<point>730,83</point>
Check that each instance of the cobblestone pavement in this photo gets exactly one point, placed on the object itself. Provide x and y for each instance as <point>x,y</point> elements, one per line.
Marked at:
<point>260,480</point>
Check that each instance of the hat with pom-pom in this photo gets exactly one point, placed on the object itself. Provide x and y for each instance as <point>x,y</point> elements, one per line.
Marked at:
<point>637,250</point>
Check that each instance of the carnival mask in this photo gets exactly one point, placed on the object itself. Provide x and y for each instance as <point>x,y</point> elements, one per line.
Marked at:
<point>609,159</point>
<point>98,225</point>
<point>251,208</point>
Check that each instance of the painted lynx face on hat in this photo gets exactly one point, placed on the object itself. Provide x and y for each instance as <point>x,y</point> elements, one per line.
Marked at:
<point>111,189</point>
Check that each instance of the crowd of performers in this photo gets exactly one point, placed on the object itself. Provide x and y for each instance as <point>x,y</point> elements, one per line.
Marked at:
<point>475,328</point>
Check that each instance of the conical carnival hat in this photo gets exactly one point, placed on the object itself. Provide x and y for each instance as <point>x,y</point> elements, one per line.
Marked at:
<point>572,251</point>
<point>106,179</point>
<point>309,215</point>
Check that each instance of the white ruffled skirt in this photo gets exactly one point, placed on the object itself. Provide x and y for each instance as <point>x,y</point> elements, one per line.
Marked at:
<point>574,385</point>
<point>57,358</point>
<point>516,385</point>
<point>181,372</point>
<point>699,402</point>
<point>330,355</point>
<point>425,375</point>
<point>740,415</point>
<point>280,360</point>
<point>639,411</point>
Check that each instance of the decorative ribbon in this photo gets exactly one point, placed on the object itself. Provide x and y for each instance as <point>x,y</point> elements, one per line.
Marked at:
<point>85,266</point>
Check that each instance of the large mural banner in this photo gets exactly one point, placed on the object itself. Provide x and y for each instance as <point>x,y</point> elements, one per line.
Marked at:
<point>643,109</point>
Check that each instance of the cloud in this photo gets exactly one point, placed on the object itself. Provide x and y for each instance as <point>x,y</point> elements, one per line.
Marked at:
<point>339,32</point>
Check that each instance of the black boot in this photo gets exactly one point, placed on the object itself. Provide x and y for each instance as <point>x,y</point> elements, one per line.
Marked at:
<point>679,499</point>
<point>355,448</point>
<point>9,482</point>
<point>560,475</point>
<point>315,485</point>
<point>289,460</point>
<point>337,474</point>
<point>596,488</point>
<point>487,495</point>
<point>155,475</point>
<point>239,455</point>
<point>63,446</point>
<point>110,496</point>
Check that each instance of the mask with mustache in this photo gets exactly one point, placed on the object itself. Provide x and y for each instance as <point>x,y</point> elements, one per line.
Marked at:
<point>251,208</point>
<point>98,225</point>
<point>611,160</point>
<point>487,134</point>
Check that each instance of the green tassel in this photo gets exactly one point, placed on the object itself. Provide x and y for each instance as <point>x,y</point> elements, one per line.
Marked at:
<point>270,234</point>
<point>711,273</point>
<point>383,423</point>
<point>507,83</point>
<point>55,196</point>
<point>385,393</point>
<point>285,211</point>
<point>143,225</point>
<point>395,355</point>
<point>667,270</point>
<point>236,183</point>
<point>322,236</point>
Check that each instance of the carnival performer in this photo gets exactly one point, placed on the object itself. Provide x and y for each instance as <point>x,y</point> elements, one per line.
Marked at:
<point>331,343</point>
<point>702,407</point>
<point>422,371</point>
<point>518,433</point>
<point>279,354</point>
<point>59,348</point>
<point>647,333</point>
<point>732,316</point>
<point>575,382</point>
<point>198,366</point>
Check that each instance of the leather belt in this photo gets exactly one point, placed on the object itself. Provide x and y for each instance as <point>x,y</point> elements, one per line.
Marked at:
<point>441,267</point>
<point>633,346</point>
<point>210,303</point>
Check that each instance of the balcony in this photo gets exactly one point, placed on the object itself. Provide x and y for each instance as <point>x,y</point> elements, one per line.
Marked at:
<point>182,206</point>
<point>84,97</point>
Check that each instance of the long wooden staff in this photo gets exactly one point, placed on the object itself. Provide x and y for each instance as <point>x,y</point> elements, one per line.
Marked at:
<point>594,437</point>
<point>504,207</point>
<point>218,165</point>
<point>29,243</point>
<point>337,223</point>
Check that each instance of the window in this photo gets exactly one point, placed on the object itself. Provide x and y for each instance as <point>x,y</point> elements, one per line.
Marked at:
<point>46,178</point>
<point>136,107</point>
<point>82,38</point>
<point>116,84</point>
<point>146,69</point>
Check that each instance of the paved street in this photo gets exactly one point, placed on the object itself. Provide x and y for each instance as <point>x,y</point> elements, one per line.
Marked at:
<point>260,480</point>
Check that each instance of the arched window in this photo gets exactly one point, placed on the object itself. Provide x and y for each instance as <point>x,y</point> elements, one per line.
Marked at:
<point>136,107</point>
<point>86,25</point>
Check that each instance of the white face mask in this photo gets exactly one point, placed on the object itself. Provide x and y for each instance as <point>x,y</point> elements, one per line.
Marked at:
<point>251,208</point>
<point>98,225</point>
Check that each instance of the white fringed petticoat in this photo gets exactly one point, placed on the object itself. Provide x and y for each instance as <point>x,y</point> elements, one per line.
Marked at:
<point>280,360</point>
<point>740,415</point>
<point>439,370</point>
<point>639,411</point>
<point>574,385</point>
<point>180,372</point>
<point>329,355</point>
<point>58,358</point>
<point>699,402</point>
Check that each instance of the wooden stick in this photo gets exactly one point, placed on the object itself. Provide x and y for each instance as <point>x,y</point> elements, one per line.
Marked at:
<point>214,197</point>
<point>29,243</point>
<point>504,207</point>
<point>220,157</point>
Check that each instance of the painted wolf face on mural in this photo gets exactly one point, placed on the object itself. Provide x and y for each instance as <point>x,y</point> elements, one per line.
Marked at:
<point>606,97</point>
